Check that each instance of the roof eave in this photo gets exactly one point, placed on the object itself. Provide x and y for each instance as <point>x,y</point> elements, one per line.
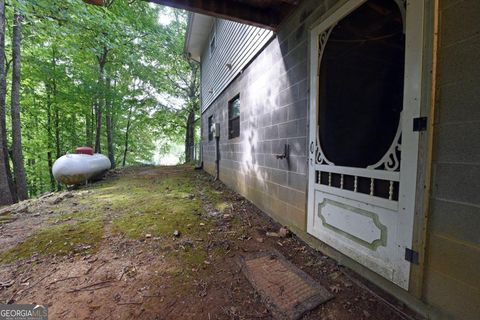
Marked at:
<point>198,31</point>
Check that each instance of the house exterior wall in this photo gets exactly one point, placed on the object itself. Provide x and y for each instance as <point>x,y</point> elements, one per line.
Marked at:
<point>452,275</point>
<point>274,92</point>
<point>235,45</point>
<point>274,106</point>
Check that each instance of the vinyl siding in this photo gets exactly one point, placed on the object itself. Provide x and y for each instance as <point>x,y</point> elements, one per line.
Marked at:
<point>236,44</point>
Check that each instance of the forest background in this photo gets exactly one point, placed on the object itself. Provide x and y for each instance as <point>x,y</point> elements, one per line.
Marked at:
<point>113,77</point>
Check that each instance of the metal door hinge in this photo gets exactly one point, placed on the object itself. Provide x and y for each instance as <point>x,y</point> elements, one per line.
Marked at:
<point>420,124</point>
<point>411,256</point>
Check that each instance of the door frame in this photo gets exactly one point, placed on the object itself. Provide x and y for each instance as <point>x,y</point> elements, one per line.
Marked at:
<point>414,79</point>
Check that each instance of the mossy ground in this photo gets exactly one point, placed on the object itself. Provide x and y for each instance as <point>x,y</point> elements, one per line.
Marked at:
<point>161,207</point>
<point>59,240</point>
<point>5,218</point>
<point>134,206</point>
<point>94,260</point>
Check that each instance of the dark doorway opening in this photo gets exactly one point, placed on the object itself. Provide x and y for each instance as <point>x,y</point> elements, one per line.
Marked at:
<point>361,84</point>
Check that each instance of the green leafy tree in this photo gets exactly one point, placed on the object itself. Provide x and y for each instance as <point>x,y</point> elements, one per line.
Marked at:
<point>110,77</point>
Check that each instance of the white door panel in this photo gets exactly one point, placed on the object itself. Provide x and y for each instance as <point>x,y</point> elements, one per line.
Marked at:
<point>365,211</point>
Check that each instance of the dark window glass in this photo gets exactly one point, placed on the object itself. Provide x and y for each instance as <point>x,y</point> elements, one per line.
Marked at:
<point>212,45</point>
<point>210,128</point>
<point>234,118</point>
<point>361,84</point>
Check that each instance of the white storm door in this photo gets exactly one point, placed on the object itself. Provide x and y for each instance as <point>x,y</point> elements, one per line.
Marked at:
<point>365,91</point>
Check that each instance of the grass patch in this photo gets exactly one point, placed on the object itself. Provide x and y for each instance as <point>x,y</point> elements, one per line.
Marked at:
<point>135,225</point>
<point>191,257</point>
<point>84,215</point>
<point>139,205</point>
<point>217,199</point>
<point>161,207</point>
<point>62,239</point>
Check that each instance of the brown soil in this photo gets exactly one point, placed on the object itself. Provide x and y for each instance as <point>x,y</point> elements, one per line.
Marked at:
<point>146,278</point>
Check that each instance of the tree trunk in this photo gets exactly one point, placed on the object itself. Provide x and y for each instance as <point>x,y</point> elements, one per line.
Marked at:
<point>49,139</point>
<point>17,154</point>
<point>88,131</point>
<point>108,119</point>
<point>190,137</point>
<point>73,131</point>
<point>98,128</point>
<point>56,115</point>
<point>126,136</point>
<point>5,181</point>
<point>8,152</point>
<point>90,123</point>
<point>102,60</point>
<point>56,119</point>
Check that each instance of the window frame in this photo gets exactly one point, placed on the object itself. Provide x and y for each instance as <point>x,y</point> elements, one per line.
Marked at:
<point>213,39</point>
<point>210,127</point>
<point>231,133</point>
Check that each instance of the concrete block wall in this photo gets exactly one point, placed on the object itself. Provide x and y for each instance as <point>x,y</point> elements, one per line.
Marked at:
<point>452,282</point>
<point>274,91</point>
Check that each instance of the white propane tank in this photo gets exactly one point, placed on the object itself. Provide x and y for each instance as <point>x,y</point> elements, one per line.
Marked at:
<point>72,169</point>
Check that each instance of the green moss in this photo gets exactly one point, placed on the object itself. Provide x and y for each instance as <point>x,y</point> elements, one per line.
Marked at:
<point>161,215</point>
<point>217,199</point>
<point>161,207</point>
<point>218,251</point>
<point>191,257</point>
<point>84,215</point>
<point>5,218</point>
<point>155,204</point>
<point>60,240</point>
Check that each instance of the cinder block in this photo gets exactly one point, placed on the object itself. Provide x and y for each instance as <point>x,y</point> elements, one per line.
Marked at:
<point>298,52</point>
<point>455,220</point>
<point>455,299</point>
<point>457,182</point>
<point>301,165</point>
<point>297,217</point>
<point>459,62</point>
<point>280,115</point>
<point>292,197</point>
<point>271,132</point>
<point>271,161</point>
<point>298,110</point>
<point>297,181</point>
<point>455,259</point>
<point>458,102</point>
<point>299,72</point>
<point>277,176</point>
<point>460,22</point>
<point>458,142</point>
<point>288,129</point>
<point>287,96</point>
<point>298,146</point>
<point>278,146</point>
<point>266,119</point>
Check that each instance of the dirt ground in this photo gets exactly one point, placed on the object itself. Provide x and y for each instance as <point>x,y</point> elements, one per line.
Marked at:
<point>159,243</point>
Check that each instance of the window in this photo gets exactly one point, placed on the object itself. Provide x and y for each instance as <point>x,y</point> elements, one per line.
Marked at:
<point>210,128</point>
<point>213,44</point>
<point>234,117</point>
